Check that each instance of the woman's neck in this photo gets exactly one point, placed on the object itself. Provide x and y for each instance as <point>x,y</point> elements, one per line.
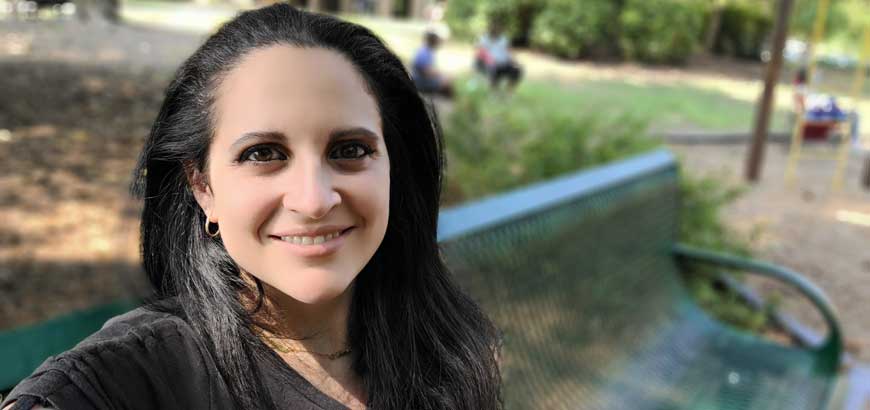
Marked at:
<point>320,327</point>
<point>312,332</point>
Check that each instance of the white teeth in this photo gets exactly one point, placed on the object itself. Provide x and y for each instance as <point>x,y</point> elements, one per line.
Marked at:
<point>308,240</point>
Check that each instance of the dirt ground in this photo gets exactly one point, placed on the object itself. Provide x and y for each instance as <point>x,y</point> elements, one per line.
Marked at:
<point>807,227</point>
<point>78,103</point>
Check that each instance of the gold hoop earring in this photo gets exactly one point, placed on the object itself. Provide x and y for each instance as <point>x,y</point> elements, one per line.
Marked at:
<point>208,231</point>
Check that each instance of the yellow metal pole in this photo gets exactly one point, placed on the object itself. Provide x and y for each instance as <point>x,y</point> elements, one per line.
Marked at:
<point>797,135</point>
<point>857,86</point>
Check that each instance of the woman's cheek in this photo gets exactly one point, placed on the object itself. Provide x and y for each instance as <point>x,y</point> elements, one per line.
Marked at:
<point>244,211</point>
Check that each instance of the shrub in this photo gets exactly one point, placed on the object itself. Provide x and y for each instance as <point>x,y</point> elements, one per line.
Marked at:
<point>803,18</point>
<point>703,200</point>
<point>571,28</point>
<point>468,19</point>
<point>743,30</point>
<point>661,31</point>
<point>495,144</point>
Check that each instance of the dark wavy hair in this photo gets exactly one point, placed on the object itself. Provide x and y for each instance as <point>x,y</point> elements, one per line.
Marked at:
<point>419,342</point>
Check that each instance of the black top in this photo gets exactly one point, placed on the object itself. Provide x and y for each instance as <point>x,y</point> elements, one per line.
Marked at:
<point>151,360</point>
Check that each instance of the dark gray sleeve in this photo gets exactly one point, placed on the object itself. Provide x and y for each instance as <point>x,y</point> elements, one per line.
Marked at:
<point>50,387</point>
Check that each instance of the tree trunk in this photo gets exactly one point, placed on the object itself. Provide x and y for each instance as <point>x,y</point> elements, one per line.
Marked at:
<point>384,8</point>
<point>865,180</point>
<point>104,11</point>
<point>713,28</point>
<point>346,6</point>
<point>755,159</point>
<point>416,9</point>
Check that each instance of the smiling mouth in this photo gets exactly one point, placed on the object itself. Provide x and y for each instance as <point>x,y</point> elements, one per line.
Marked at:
<point>304,240</point>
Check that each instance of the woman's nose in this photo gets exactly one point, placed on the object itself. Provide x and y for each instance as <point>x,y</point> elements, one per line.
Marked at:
<point>311,192</point>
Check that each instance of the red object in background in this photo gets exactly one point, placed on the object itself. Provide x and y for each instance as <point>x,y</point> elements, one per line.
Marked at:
<point>484,57</point>
<point>818,131</point>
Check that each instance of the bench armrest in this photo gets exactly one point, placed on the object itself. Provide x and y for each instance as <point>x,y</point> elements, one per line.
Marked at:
<point>832,347</point>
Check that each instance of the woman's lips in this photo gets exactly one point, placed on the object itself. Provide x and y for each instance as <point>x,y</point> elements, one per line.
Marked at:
<point>308,246</point>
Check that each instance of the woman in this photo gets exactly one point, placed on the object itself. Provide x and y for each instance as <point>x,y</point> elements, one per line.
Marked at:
<point>291,184</point>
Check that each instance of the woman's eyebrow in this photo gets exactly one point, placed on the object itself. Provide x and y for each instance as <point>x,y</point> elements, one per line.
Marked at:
<point>273,136</point>
<point>353,131</point>
<point>278,136</point>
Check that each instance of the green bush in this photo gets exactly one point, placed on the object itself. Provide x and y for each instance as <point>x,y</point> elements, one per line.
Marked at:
<point>703,200</point>
<point>743,30</point>
<point>469,19</point>
<point>658,31</point>
<point>572,28</point>
<point>803,18</point>
<point>466,18</point>
<point>661,31</point>
<point>495,144</point>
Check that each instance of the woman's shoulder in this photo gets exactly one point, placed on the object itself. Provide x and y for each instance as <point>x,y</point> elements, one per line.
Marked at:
<point>152,330</point>
<point>136,360</point>
<point>151,320</point>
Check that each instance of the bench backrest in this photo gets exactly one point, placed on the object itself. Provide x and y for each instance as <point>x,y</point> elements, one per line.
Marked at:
<point>564,269</point>
<point>24,348</point>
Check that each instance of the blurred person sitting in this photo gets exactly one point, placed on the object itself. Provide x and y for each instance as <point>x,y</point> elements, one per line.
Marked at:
<point>426,76</point>
<point>494,60</point>
<point>821,112</point>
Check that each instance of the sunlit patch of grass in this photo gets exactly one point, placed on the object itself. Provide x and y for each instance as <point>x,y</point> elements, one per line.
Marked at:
<point>187,17</point>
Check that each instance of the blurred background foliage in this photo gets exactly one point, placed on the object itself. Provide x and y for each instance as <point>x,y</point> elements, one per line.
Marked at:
<point>495,144</point>
<point>653,31</point>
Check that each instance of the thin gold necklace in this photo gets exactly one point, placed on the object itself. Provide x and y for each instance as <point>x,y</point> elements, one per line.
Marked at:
<point>278,344</point>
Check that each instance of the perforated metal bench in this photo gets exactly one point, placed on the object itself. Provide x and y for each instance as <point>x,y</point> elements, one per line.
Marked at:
<point>24,348</point>
<point>581,274</point>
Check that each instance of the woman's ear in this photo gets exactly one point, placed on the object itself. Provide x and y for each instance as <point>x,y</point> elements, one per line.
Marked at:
<point>201,191</point>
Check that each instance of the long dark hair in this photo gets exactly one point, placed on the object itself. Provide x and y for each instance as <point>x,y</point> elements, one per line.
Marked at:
<point>418,341</point>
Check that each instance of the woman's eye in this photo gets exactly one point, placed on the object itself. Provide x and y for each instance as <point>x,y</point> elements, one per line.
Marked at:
<point>353,150</point>
<point>262,154</point>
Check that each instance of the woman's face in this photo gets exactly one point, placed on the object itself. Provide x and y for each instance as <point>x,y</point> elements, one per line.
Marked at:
<point>298,175</point>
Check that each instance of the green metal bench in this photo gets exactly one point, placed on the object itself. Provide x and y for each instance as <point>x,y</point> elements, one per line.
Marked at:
<point>23,349</point>
<point>581,274</point>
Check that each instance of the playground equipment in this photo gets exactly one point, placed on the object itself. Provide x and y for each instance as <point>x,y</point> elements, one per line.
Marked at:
<point>809,126</point>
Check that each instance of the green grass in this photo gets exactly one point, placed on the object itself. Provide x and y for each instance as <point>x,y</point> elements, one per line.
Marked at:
<point>664,107</point>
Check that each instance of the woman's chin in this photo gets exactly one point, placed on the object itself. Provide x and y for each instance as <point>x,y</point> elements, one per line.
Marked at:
<point>315,295</point>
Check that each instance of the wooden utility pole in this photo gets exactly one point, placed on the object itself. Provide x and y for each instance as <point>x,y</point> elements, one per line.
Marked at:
<point>865,180</point>
<point>384,8</point>
<point>762,115</point>
<point>416,9</point>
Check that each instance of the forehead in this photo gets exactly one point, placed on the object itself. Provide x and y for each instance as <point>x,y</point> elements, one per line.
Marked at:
<point>291,88</point>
